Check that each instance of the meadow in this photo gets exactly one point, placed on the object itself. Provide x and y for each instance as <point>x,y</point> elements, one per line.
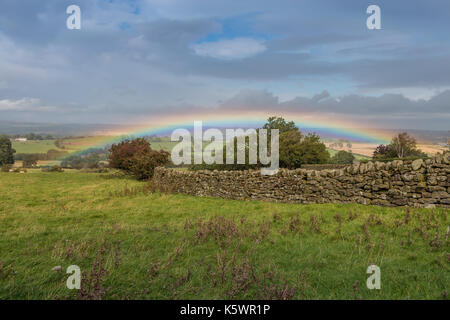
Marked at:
<point>76,144</point>
<point>361,151</point>
<point>133,242</point>
<point>34,146</point>
<point>81,143</point>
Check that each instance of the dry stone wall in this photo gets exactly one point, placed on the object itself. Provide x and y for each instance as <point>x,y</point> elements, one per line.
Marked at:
<point>418,183</point>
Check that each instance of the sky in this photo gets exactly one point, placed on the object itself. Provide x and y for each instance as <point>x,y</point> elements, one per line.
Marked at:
<point>135,59</point>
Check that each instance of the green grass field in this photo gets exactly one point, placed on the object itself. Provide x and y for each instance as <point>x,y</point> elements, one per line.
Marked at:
<point>168,145</point>
<point>76,144</point>
<point>164,145</point>
<point>37,146</point>
<point>132,243</point>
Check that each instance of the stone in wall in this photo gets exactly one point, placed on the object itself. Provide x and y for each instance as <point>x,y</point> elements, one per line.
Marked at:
<point>418,183</point>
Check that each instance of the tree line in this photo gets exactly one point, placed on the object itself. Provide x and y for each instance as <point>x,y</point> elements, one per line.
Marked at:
<point>30,136</point>
<point>136,157</point>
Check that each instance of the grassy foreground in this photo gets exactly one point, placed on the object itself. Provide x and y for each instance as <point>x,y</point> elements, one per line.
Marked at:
<point>132,243</point>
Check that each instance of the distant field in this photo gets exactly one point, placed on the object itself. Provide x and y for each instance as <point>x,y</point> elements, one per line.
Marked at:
<point>38,146</point>
<point>73,145</point>
<point>367,149</point>
<point>357,156</point>
<point>146,245</point>
<point>84,143</point>
<point>76,144</point>
<point>166,145</point>
<point>360,150</point>
<point>18,163</point>
<point>431,149</point>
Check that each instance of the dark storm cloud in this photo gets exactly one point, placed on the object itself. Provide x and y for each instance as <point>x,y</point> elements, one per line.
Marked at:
<point>392,104</point>
<point>106,70</point>
<point>402,72</point>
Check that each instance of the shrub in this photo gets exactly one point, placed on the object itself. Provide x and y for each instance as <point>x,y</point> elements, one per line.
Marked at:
<point>95,170</point>
<point>342,157</point>
<point>90,161</point>
<point>137,158</point>
<point>55,168</point>
<point>30,160</point>
<point>383,151</point>
<point>6,168</point>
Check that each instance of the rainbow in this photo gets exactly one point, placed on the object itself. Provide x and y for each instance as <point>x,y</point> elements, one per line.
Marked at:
<point>214,118</point>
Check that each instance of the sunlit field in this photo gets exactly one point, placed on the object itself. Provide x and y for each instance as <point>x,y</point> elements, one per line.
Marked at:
<point>34,146</point>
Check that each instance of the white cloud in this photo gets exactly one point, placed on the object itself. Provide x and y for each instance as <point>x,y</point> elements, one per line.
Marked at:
<point>238,48</point>
<point>24,104</point>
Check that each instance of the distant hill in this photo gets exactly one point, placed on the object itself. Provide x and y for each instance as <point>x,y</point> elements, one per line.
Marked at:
<point>77,129</point>
<point>72,129</point>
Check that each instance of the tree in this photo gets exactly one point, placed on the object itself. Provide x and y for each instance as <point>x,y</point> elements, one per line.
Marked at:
<point>342,157</point>
<point>313,150</point>
<point>30,160</point>
<point>6,151</point>
<point>137,158</point>
<point>401,146</point>
<point>59,144</point>
<point>280,124</point>
<point>383,152</point>
<point>296,149</point>
<point>291,149</point>
<point>34,136</point>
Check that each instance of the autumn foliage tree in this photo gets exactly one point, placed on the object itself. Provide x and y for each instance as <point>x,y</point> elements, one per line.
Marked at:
<point>404,145</point>
<point>136,158</point>
<point>383,152</point>
<point>401,146</point>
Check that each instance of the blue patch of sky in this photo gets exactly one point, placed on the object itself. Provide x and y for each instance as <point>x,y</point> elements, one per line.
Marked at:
<point>102,3</point>
<point>133,4</point>
<point>237,27</point>
<point>124,26</point>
